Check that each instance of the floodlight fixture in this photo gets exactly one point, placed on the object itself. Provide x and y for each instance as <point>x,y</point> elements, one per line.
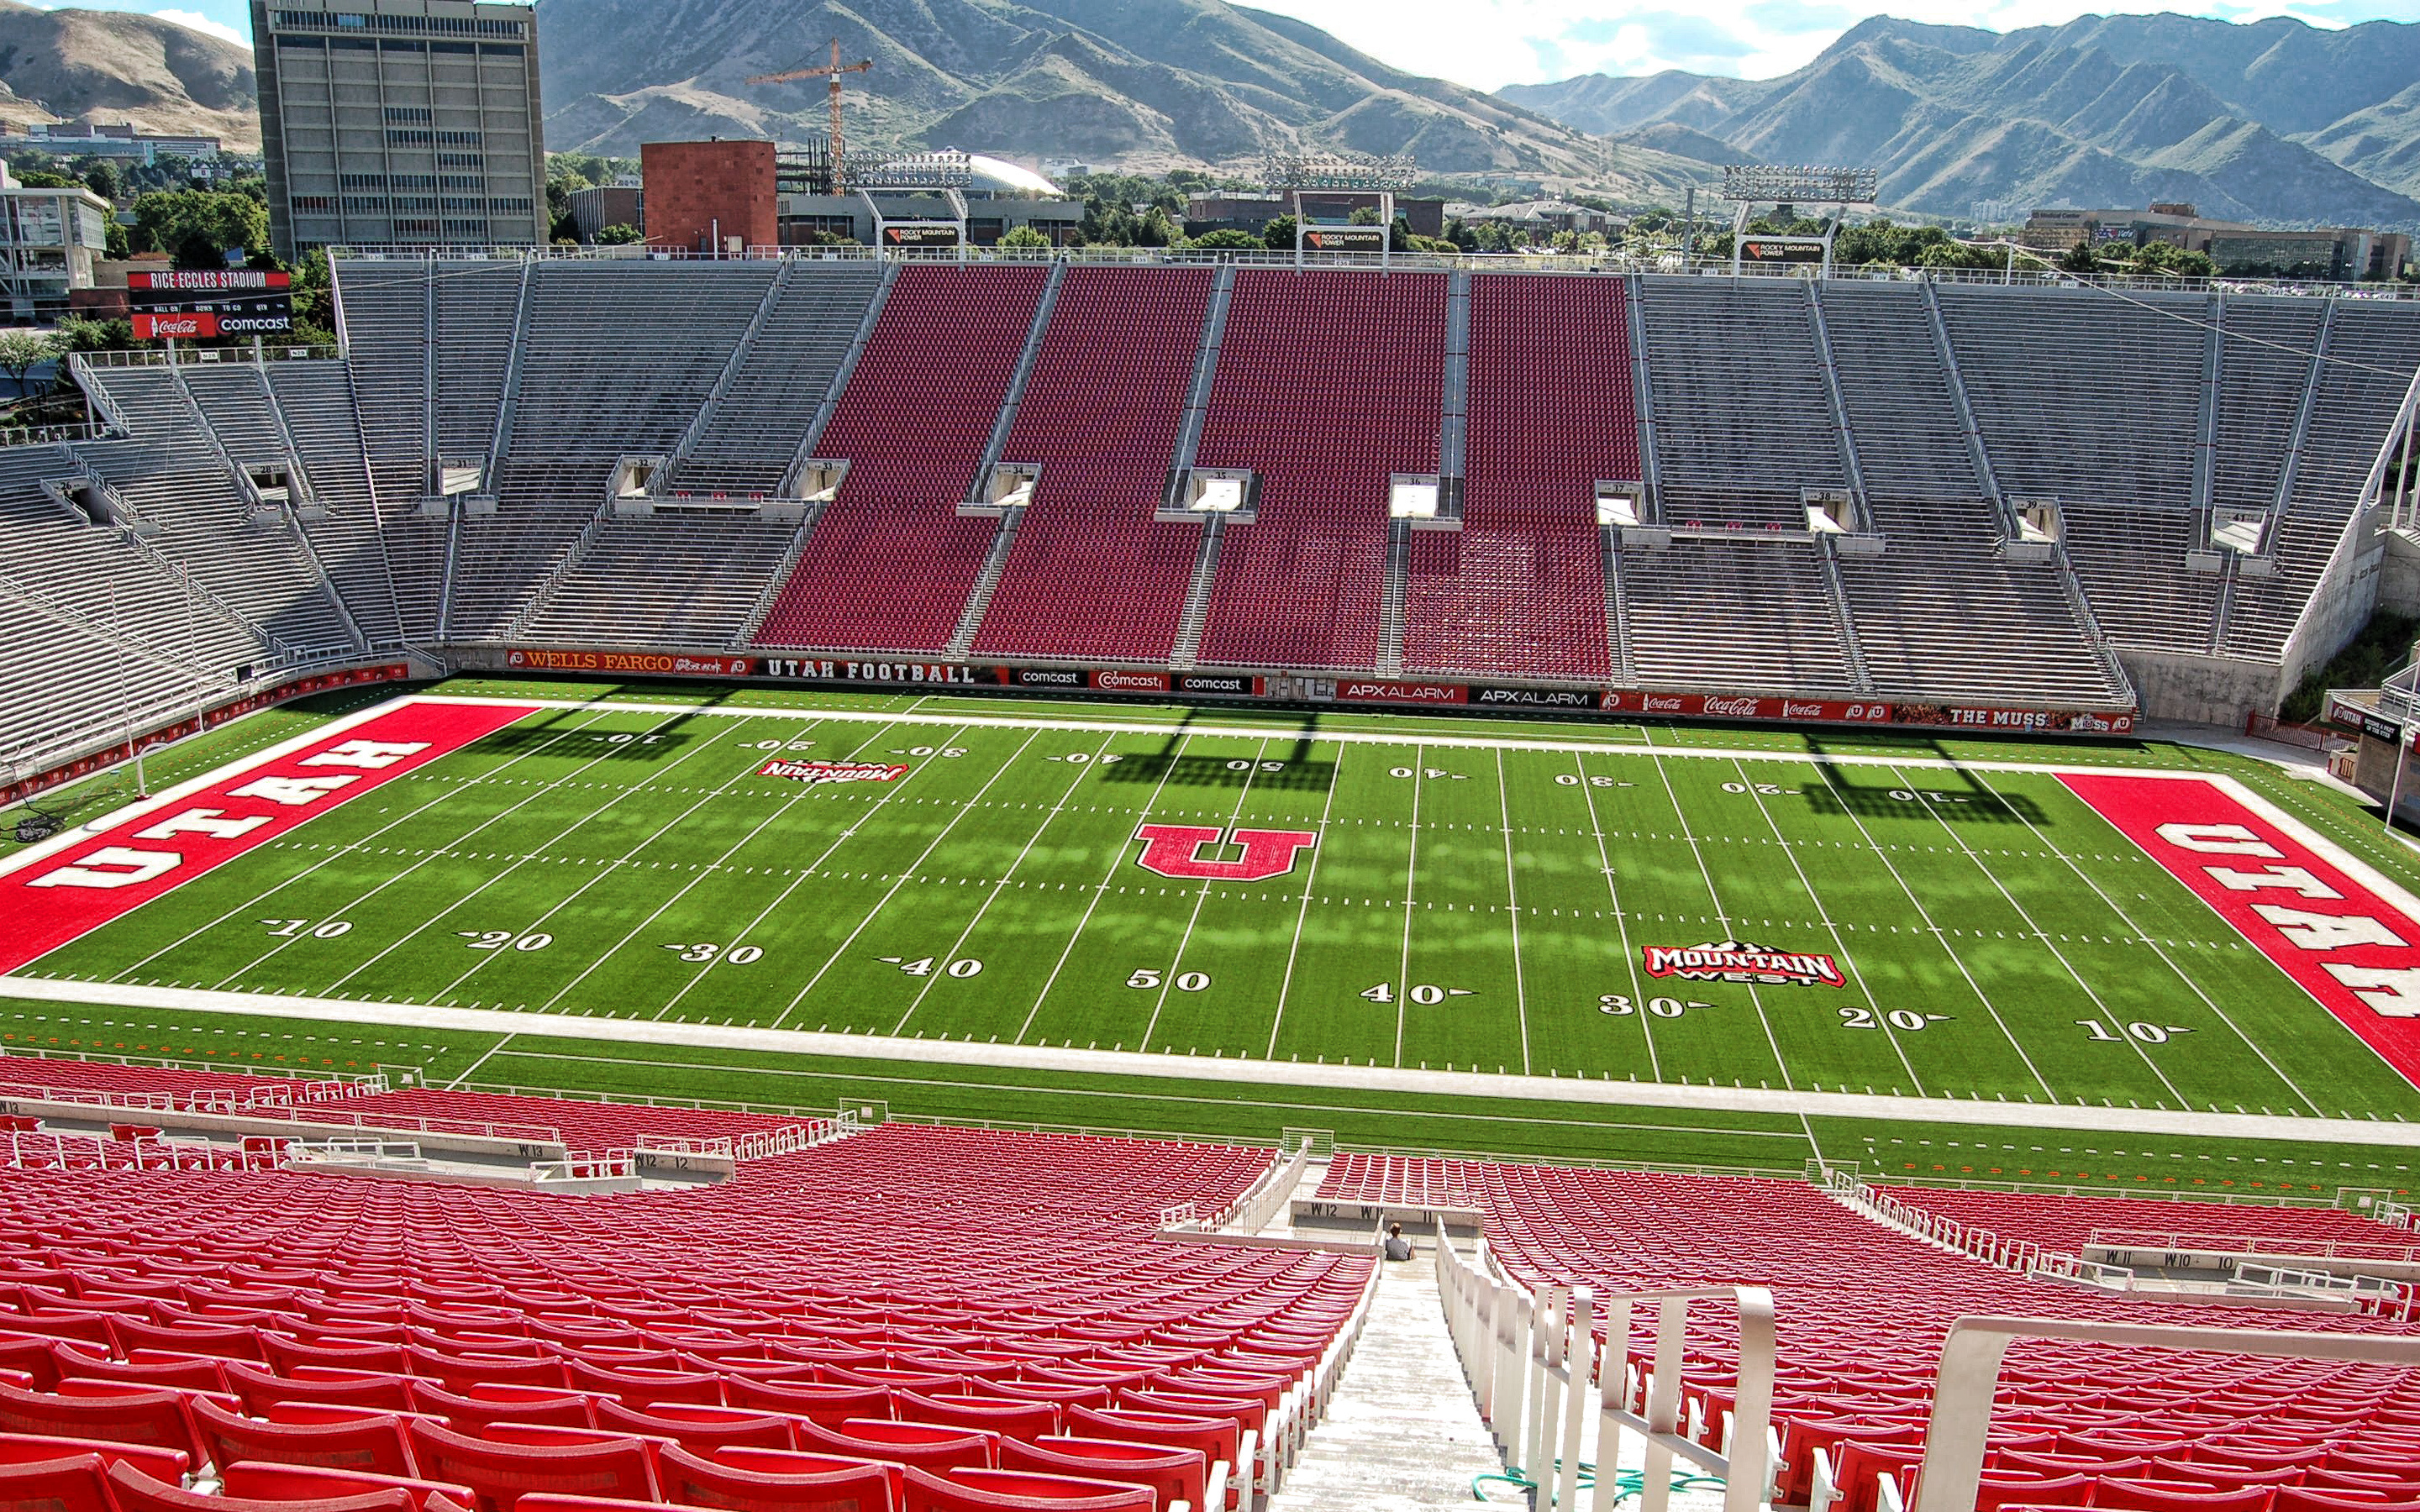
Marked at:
<point>1284,170</point>
<point>1756,183</point>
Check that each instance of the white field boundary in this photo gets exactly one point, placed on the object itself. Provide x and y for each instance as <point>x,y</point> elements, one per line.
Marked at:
<point>2145,1122</point>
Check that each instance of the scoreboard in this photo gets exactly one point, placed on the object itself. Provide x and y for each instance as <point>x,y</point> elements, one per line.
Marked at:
<point>233,302</point>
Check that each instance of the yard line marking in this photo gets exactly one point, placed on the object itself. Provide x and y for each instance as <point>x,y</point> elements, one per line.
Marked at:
<point>1302,914</point>
<point>1411,880</point>
<point>847,833</point>
<point>455,1085</point>
<point>2115,1025</point>
<point>423,926</point>
<point>1512,890</point>
<point>1102,890</point>
<point>705,872</point>
<point>1781,1062</point>
<point>875,912</point>
<point>2024,1115</point>
<point>266,893</point>
<point>1823,910</point>
<point>1168,982</point>
<point>1620,923</point>
<point>2140,934</point>
<point>600,869</point>
<point>1000,886</point>
<point>1955,959</point>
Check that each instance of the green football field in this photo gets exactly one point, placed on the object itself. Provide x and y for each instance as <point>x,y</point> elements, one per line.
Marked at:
<point>1470,896</point>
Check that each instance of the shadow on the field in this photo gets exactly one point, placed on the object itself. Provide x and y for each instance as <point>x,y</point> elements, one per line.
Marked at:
<point>569,733</point>
<point>1292,769</point>
<point>1954,794</point>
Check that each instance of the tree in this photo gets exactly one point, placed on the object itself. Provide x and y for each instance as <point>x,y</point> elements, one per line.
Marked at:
<point>2169,259</point>
<point>113,243</point>
<point>76,333</point>
<point>101,179</point>
<point>47,180</point>
<point>22,351</point>
<point>198,251</point>
<point>623,235</point>
<point>314,305</point>
<point>2079,259</point>
<point>1024,238</point>
<point>1279,235</point>
<point>1227,239</point>
<point>167,220</point>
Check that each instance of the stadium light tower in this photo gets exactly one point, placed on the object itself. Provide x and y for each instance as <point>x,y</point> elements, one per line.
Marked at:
<point>1751,184</point>
<point>833,71</point>
<point>1298,174</point>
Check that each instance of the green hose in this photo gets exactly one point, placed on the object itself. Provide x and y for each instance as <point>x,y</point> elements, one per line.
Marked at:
<point>1627,1483</point>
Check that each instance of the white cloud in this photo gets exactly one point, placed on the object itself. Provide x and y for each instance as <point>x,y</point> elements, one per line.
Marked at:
<point>1489,43</point>
<point>200,22</point>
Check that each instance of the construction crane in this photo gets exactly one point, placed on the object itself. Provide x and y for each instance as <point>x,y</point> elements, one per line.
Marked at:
<point>833,71</point>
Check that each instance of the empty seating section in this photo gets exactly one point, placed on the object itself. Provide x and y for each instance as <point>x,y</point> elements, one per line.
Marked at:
<point>1520,587</point>
<point>592,329</point>
<point>2132,565</point>
<point>2066,1222</point>
<point>1742,419</point>
<point>748,438</point>
<point>234,405</point>
<point>680,580</point>
<point>1896,389</point>
<point>1941,614</point>
<point>2370,347</point>
<point>320,412</point>
<point>473,337</point>
<point>984,1309</point>
<point>250,563</point>
<point>889,563</point>
<point>1088,573</point>
<point>593,1128</point>
<point>38,1076</point>
<point>1738,616</point>
<point>1862,1309</point>
<point>1326,385</point>
<point>2264,363</point>
<point>386,329</point>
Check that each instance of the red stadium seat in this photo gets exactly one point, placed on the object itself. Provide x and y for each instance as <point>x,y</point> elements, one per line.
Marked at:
<point>700,1428</point>
<point>68,1483</point>
<point>933,1447</point>
<point>824,1403</point>
<point>379,1391</point>
<point>134,1491</point>
<point>481,1405</point>
<point>2176,1496</point>
<point>502,1473</point>
<point>749,1480</point>
<point>160,1465</point>
<point>1015,1420</point>
<point>1017,1491</point>
<point>158,1418</point>
<point>371,1441</point>
<point>1173,1475</point>
<point>259,1482</point>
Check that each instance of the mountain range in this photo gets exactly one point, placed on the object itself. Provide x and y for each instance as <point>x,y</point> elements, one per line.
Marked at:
<point>116,66</point>
<point>1143,84</point>
<point>2270,121</point>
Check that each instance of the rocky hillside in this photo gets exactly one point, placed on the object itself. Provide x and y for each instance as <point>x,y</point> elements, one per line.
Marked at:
<point>1143,84</point>
<point>114,66</point>
<point>2274,121</point>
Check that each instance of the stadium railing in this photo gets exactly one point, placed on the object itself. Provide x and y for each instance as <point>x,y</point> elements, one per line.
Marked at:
<point>1954,1440</point>
<point>1530,1357</point>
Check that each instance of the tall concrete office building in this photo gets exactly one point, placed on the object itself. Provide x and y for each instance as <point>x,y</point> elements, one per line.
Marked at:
<point>400,123</point>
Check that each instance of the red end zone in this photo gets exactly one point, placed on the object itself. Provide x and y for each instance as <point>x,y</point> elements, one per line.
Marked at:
<point>86,884</point>
<point>2358,954</point>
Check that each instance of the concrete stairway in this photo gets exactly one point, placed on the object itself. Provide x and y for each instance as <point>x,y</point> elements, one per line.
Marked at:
<point>1402,1431</point>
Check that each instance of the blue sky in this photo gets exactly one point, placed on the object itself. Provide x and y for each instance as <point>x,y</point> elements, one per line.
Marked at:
<point>1493,42</point>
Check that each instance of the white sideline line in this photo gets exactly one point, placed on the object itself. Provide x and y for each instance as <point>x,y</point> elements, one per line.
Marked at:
<point>2145,1122</point>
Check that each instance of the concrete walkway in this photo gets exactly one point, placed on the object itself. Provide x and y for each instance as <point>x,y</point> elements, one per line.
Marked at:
<point>1402,1431</point>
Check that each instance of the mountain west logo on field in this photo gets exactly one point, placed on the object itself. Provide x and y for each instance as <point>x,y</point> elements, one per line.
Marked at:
<point>1739,961</point>
<point>1175,851</point>
<point>833,771</point>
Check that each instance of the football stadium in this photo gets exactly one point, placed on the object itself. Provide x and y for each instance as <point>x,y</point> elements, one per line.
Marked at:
<point>855,879</point>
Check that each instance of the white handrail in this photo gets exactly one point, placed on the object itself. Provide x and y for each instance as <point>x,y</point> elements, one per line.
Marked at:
<point>1970,1371</point>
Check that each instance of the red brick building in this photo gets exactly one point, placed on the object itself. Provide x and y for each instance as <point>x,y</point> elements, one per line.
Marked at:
<point>697,191</point>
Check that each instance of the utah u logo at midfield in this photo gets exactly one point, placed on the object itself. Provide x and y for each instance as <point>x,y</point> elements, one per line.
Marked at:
<point>1175,851</point>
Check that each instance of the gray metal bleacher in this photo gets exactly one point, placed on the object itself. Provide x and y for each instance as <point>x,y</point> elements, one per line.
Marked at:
<point>1746,616</point>
<point>250,561</point>
<point>319,407</point>
<point>617,358</point>
<point>671,578</point>
<point>748,437</point>
<point>1743,421</point>
<point>386,329</point>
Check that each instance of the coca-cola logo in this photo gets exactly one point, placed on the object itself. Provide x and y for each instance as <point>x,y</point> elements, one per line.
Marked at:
<point>1659,703</point>
<point>1801,711</point>
<point>1735,708</point>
